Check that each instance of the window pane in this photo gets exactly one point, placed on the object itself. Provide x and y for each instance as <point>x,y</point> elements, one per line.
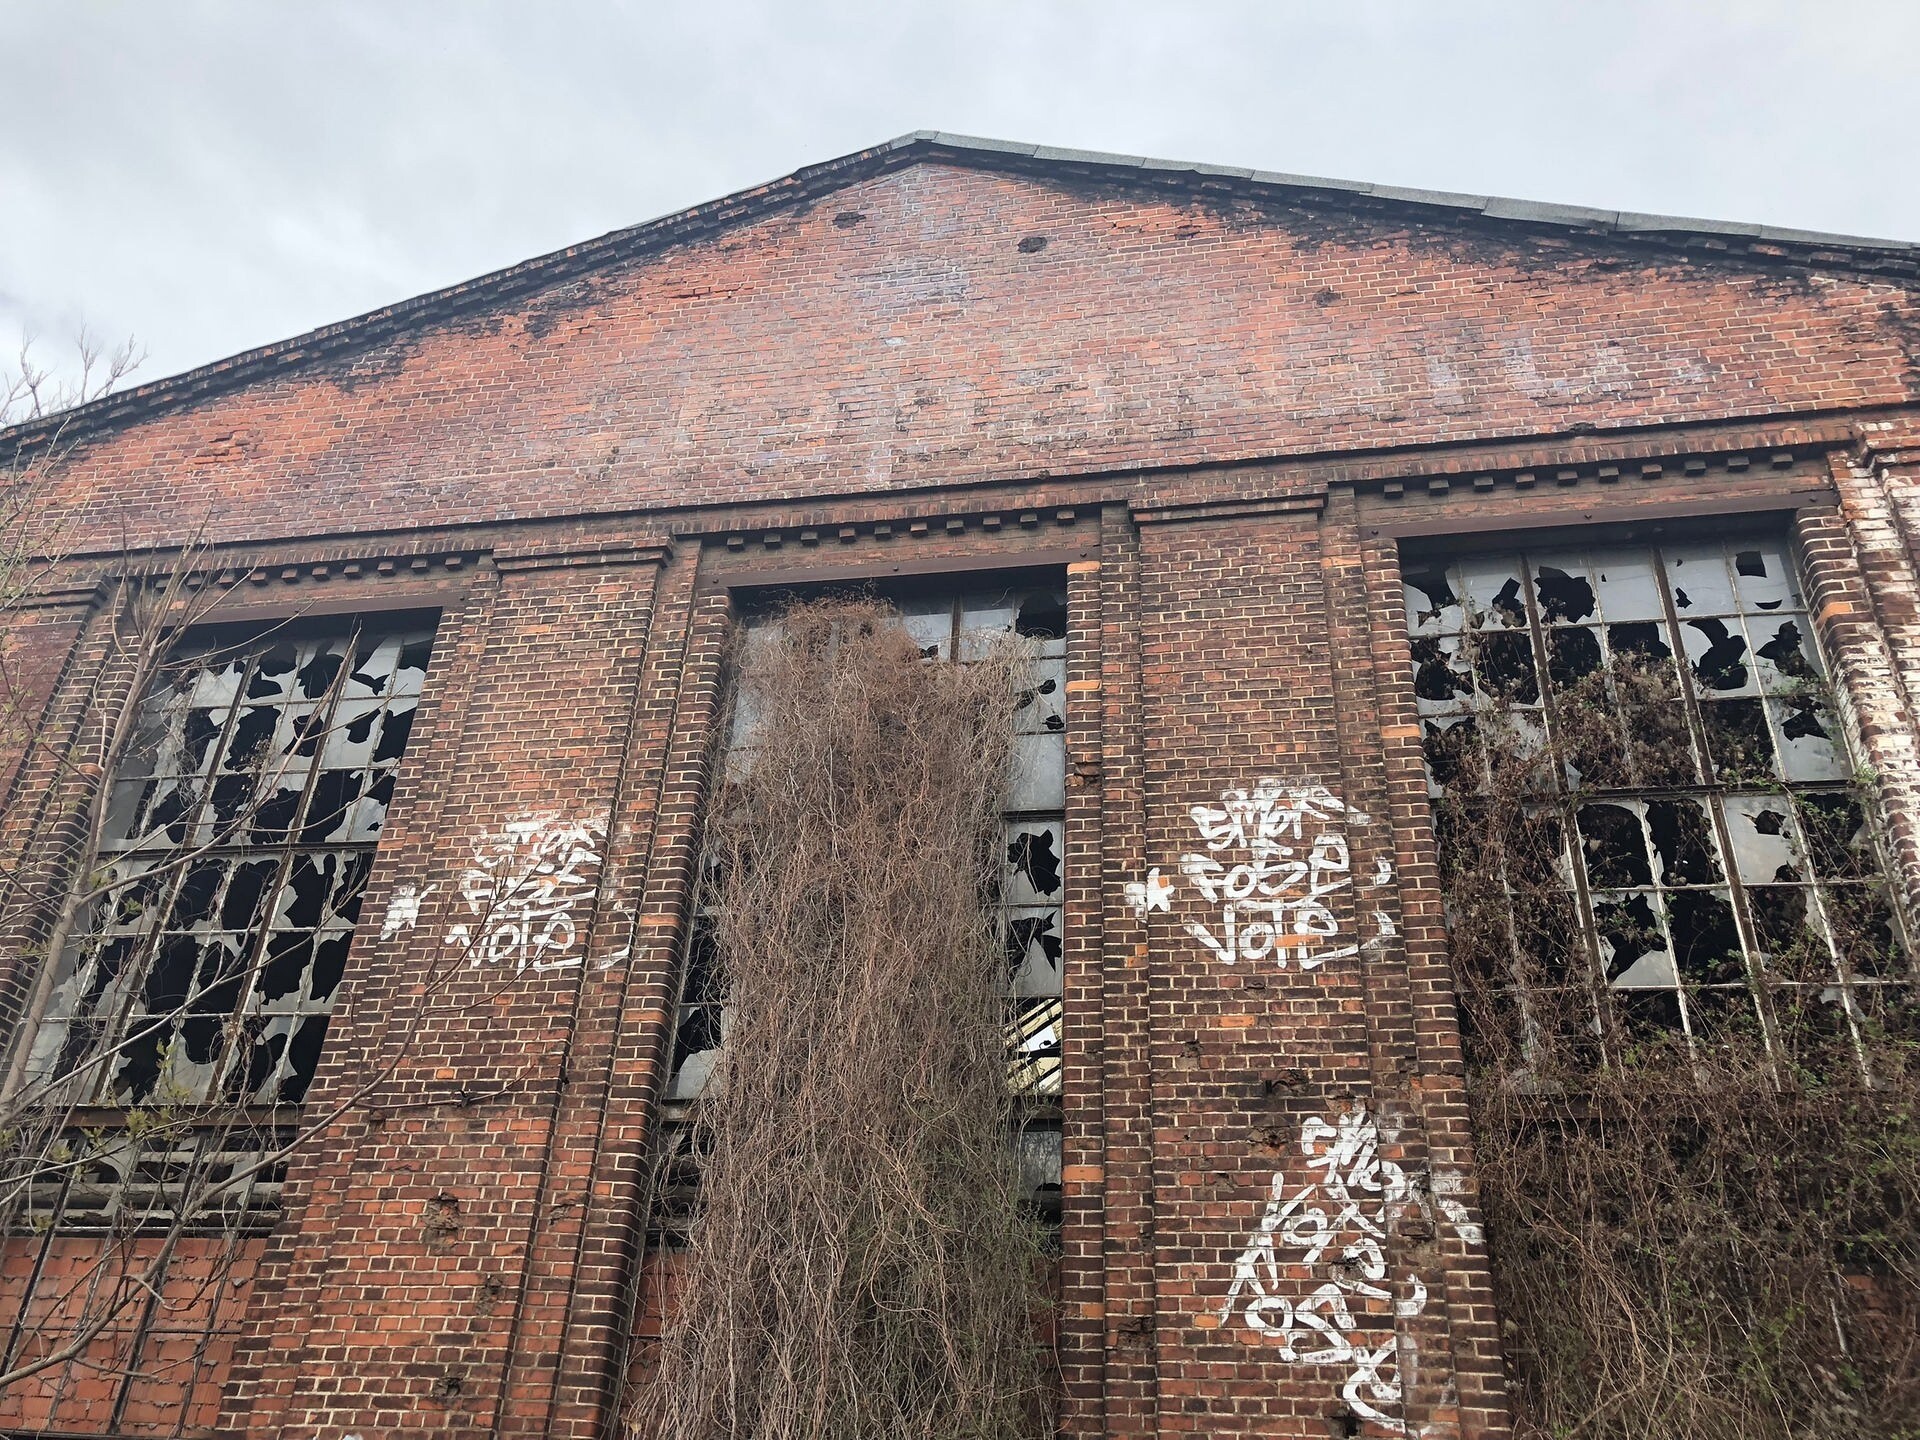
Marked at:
<point>1765,577</point>
<point>1563,590</point>
<point>1496,594</point>
<point>1698,581</point>
<point>1433,602</point>
<point>1039,773</point>
<point>197,977</point>
<point>1032,879</point>
<point>1721,852</point>
<point>1628,586</point>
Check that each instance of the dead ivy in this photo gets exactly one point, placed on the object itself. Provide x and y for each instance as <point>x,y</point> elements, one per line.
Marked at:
<point>860,1263</point>
<point>1715,1242</point>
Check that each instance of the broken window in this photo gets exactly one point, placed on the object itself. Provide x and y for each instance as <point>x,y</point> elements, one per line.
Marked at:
<point>241,826</point>
<point>1703,863</point>
<point>955,628</point>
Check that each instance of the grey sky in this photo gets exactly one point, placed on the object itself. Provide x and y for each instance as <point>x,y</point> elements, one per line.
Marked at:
<point>212,176</point>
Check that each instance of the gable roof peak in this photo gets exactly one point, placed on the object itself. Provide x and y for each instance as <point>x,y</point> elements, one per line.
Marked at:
<point>1895,259</point>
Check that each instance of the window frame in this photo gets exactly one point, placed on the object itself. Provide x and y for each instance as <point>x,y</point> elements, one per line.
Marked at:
<point>1039,1110</point>
<point>215,1130</point>
<point>1721,797</point>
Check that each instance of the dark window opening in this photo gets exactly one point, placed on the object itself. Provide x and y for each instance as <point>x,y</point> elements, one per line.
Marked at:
<point>1708,865</point>
<point>242,820</point>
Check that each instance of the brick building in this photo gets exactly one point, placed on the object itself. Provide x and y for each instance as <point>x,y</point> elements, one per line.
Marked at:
<point>1263,437</point>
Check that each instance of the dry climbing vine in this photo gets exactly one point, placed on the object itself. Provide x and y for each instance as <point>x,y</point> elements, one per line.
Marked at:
<point>1719,1239</point>
<point>860,1263</point>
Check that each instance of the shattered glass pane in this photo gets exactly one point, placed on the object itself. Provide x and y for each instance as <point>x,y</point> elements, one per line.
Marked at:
<point>1864,931</point>
<point>1698,581</point>
<point>1442,679</point>
<point>1496,593</point>
<point>1573,655</point>
<point>1706,938</point>
<point>276,757</point>
<point>1614,845</point>
<point>1783,653</point>
<point>1040,705</point>
<point>1033,941</point>
<point>1766,846</point>
<point>1041,617</point>
<point>1563,590</point>
<point>1717,655</point>
<point>1721,867</point>
<point>1433,604</point>
<point>1790,934</point>
<point>1451,747</point>
<point>1034,855</point>
<point>1684,849</point>
<point>1036,613</point>
<point>1838,841</point>
<point>1634,947</point>
<point>1644,641</point>
<point>1663,752</point>
<point>1765,577</point>
<point>1809,745</point>
<point>1650,1014</point>
<point>1504,663</point>
<point>1738,741</point>
<point>1723,1015</point>
<point>1040,1169</point>
<point>1523,735</point>
<point>701,1030</point>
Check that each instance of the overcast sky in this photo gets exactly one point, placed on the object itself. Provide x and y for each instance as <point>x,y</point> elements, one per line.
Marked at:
<point>212,176</point>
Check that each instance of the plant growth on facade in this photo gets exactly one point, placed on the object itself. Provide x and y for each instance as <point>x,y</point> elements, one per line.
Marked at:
<point>1686,995</point>
<point>861,1261</point>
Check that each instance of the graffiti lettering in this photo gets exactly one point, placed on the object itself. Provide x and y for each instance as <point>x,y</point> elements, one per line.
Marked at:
<point>403,910</point>
<point>528,890</point>
<point>1337,1221</point>
<point>1274,860</point>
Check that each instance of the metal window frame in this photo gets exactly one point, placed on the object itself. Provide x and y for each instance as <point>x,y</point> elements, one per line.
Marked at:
<point>1710,790</point>
<point>100,1119</point>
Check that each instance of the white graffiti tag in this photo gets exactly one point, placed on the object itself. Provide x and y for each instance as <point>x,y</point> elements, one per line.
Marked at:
<point>403,910</point>
<point>528,890</point>
<point>1145,896</point>
<point>1336,1222</point>
<point>1275,858</point>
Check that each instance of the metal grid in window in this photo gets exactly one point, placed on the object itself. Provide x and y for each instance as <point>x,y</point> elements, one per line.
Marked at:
<point>1032,889</point>
<point>1715,860</point>
<point>242,823</point>
<point>199,1177</point>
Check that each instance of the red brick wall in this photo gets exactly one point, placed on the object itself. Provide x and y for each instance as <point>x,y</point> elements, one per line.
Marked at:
<point>159,1368</point>
<point>461,1251</point>
<point>34,645</point>
<point>921,345</point>
<point>402,1295</point>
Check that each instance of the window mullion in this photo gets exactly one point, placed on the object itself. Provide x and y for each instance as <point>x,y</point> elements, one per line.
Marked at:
<point>1566,801</point>
<point>1716,810</point>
